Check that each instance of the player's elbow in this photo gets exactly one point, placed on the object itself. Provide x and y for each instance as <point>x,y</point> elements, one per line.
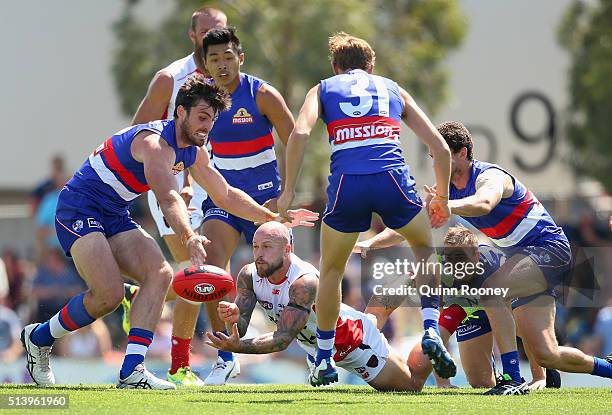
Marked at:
<point>284,340</point>
<point>222,199</point>
<point>440,150</point>
<point>486,206</point>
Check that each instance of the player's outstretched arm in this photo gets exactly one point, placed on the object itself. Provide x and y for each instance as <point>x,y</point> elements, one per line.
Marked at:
<point>292,320</point>
<point>385,239</point>
<point>296,146</point>
<point>228,198</point>
<point>237,202</point>
<point>418,122</point>
<point>272,104</point>
<point>158,159</point>
<point>489,192</point>
<point>240,311</point>
<point>155,102</point>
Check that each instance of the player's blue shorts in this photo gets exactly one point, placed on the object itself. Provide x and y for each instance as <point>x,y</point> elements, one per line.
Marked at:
<point>78,214</point>
<point>552,256</point>
<point>352,198</point>
<point>474,325</point>
<point>242,226</point>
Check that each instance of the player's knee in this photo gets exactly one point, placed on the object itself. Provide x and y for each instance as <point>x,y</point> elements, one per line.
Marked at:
<point>160,277</point>
<point>481,381</point>
<point>108,299</point>
<point>166,273</point>
<point>545,357</point>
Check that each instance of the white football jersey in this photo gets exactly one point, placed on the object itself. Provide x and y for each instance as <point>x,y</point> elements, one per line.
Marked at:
<point>351,323</point>
<point>180,71</point>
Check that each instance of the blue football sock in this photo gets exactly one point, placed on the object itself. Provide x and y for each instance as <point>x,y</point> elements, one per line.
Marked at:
<point>510,364</point>
<point>139,341</point>
<point>431,313</point>
<point>325,345</point>
<point>602,368</point>
<point>71,317</point>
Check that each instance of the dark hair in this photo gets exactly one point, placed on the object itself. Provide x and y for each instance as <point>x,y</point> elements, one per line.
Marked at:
<point>197,88</point>
<point>457,136</point>
<point>206,11</point>
<point>221,36</point>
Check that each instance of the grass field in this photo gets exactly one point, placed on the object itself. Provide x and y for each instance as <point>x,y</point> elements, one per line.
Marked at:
<point>282,399</point>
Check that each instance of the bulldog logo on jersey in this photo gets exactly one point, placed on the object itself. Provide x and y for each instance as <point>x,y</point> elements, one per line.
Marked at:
<point>178,167</point>
<point>242,116</point>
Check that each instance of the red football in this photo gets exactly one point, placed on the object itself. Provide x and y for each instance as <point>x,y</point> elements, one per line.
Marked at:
<point>201,283</point>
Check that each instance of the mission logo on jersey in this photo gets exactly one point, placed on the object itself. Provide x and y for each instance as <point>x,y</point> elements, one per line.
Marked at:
<point>242,117</point>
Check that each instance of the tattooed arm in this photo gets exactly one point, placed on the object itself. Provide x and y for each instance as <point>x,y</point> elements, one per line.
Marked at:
<point>239,312</point>
<point>291,321</point>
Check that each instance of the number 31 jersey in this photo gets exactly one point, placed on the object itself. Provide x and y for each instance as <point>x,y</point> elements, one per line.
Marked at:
<point>363,114</point>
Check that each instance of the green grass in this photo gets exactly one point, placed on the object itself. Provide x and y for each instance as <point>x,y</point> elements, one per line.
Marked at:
<point>302,400</point>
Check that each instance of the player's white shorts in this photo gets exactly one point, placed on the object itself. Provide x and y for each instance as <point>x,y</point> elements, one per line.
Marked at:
<point>359,347</point>
<point>368,358</point>
<point>195,208</point>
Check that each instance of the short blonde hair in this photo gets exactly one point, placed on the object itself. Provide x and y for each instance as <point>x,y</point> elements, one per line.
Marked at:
<point>350,52</point>
<point>460,236</point>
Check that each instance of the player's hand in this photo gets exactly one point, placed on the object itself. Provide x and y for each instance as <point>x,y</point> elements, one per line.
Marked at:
<point>228,312</point>
<point>537,385</point>
<point>187,194</point>
<point>445,384</point>
<point>221,341</point>
<point>283,203</point>
<point>195,246</point>
<point>362,248</point>
<point>300,217</point>
<point>271,204</point>
<point>439,212</point>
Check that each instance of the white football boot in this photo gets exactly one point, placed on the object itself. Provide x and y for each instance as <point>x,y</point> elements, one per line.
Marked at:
<point>141,378</point>
<point>222,371</point>
<point>37,358</point>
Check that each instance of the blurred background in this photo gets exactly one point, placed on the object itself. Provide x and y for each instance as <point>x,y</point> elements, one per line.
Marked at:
<point>531,80</point>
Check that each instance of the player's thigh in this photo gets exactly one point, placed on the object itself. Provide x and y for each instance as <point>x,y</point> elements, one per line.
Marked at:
<point>139,256</point>
<point>223,241</point>
<point>417,233</point>
<point>536,323</point>
<point>96,264</point>
<point>521,275</point>
<point>336,247</point>
<point>476,360</point>
<point>395,376</point>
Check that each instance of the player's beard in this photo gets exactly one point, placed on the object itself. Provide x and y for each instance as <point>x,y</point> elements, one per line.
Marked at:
<point>190,137</point>
<point>269,268</point>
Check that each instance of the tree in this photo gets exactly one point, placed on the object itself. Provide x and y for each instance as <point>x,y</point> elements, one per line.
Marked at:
<point>585,32</point>
<point>285,42</point>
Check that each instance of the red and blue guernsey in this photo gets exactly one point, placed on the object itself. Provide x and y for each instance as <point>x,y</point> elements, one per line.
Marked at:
<point>97,197</point>
<point>368,172</point>
<point>363,114</point>
<point>112,175</point>
<point>518,220</point>
<point>520,225</point>
<point>242,143</point>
